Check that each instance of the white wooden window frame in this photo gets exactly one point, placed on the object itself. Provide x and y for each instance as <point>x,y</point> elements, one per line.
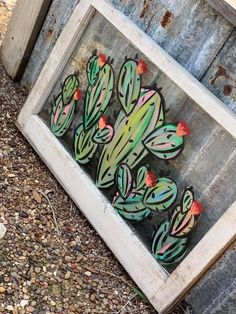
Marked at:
<point>225,7</point>
<point>162,289</point>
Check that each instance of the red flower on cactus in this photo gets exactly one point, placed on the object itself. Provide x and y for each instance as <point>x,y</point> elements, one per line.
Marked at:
<point>102,59</point>
<point>78,94</point>
<point>102,122</point>
<point>151,179</point>
<point>196,208</point>
<point>142,67</point>
<point>182,129</point>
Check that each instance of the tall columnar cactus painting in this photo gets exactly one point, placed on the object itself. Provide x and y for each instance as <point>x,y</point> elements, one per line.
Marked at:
<point>140,129</point>
<point>63,106</point>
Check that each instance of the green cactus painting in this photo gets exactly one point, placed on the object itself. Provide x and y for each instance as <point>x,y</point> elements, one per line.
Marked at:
<point>95,129</point>
<point>171,237</point>
<point>185,215</point>
<point>63,106</point>
<point>119,146</point>
<point>165,248</point>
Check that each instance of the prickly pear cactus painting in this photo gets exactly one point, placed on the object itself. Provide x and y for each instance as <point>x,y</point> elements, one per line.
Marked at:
<point>63,106</point>
<point>140,129</point>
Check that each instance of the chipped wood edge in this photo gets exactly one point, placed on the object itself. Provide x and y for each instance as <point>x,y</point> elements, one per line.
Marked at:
<point>148,274</point>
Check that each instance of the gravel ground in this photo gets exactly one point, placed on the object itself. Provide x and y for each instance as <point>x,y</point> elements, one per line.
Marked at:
<point>41,271</point>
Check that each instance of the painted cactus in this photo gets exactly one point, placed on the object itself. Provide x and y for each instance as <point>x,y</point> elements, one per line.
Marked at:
<point>162,196</point>
<point>127,144</point>
<point>127,201</point>
<point>141,178</point>
<point>131,208</point>
<point>165,248</point>
<point>92,69</point>
<point>140,129</point>
<point>99,94</point>
<point>94,129</point>
<point>124,180</point>
<point>129,85</point>
<point>185,215</point>
<point>104,133</point>
<point>63,106</point>
<point>84,146</point>
<point>171,237</point>
<point>136,202</point>
<point>166,142</point>
<point>69,88</point>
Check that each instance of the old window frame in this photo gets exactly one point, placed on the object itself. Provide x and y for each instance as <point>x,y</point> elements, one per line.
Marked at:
<point>163,290</point>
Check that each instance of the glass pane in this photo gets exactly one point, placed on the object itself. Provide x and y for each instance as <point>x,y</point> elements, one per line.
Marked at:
<point>128,127</point>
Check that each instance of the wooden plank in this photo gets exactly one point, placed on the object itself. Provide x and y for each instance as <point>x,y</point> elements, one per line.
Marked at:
<point>132,254</point>
<point>197,262</point>
<point>181,77</point>
<point>22,32</point>
<point>226,7</point>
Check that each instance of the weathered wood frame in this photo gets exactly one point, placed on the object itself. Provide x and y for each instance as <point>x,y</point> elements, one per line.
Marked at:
<point>163,290</point>
<point>226,7</point>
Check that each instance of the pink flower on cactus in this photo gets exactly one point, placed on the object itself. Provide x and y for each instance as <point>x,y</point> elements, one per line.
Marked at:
<point>102,59</point>
<point>182,129</point>
<point>151,179</point>
<point>102,122</point>
<point>142,67</point>
<point>196,208</point>
<point>78,94</point>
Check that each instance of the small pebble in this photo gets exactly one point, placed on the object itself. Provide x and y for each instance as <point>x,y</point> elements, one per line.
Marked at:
<point>3,230</point>
<point>93,297</point>
<point>23,303</point>
<point>37,270</point>
<point>68,275</point>
<point>11,175</point>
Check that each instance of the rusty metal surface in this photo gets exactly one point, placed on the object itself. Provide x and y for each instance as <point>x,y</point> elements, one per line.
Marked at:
<point>221,76</point>
<point>58,15</point>
<point>191,31</point>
